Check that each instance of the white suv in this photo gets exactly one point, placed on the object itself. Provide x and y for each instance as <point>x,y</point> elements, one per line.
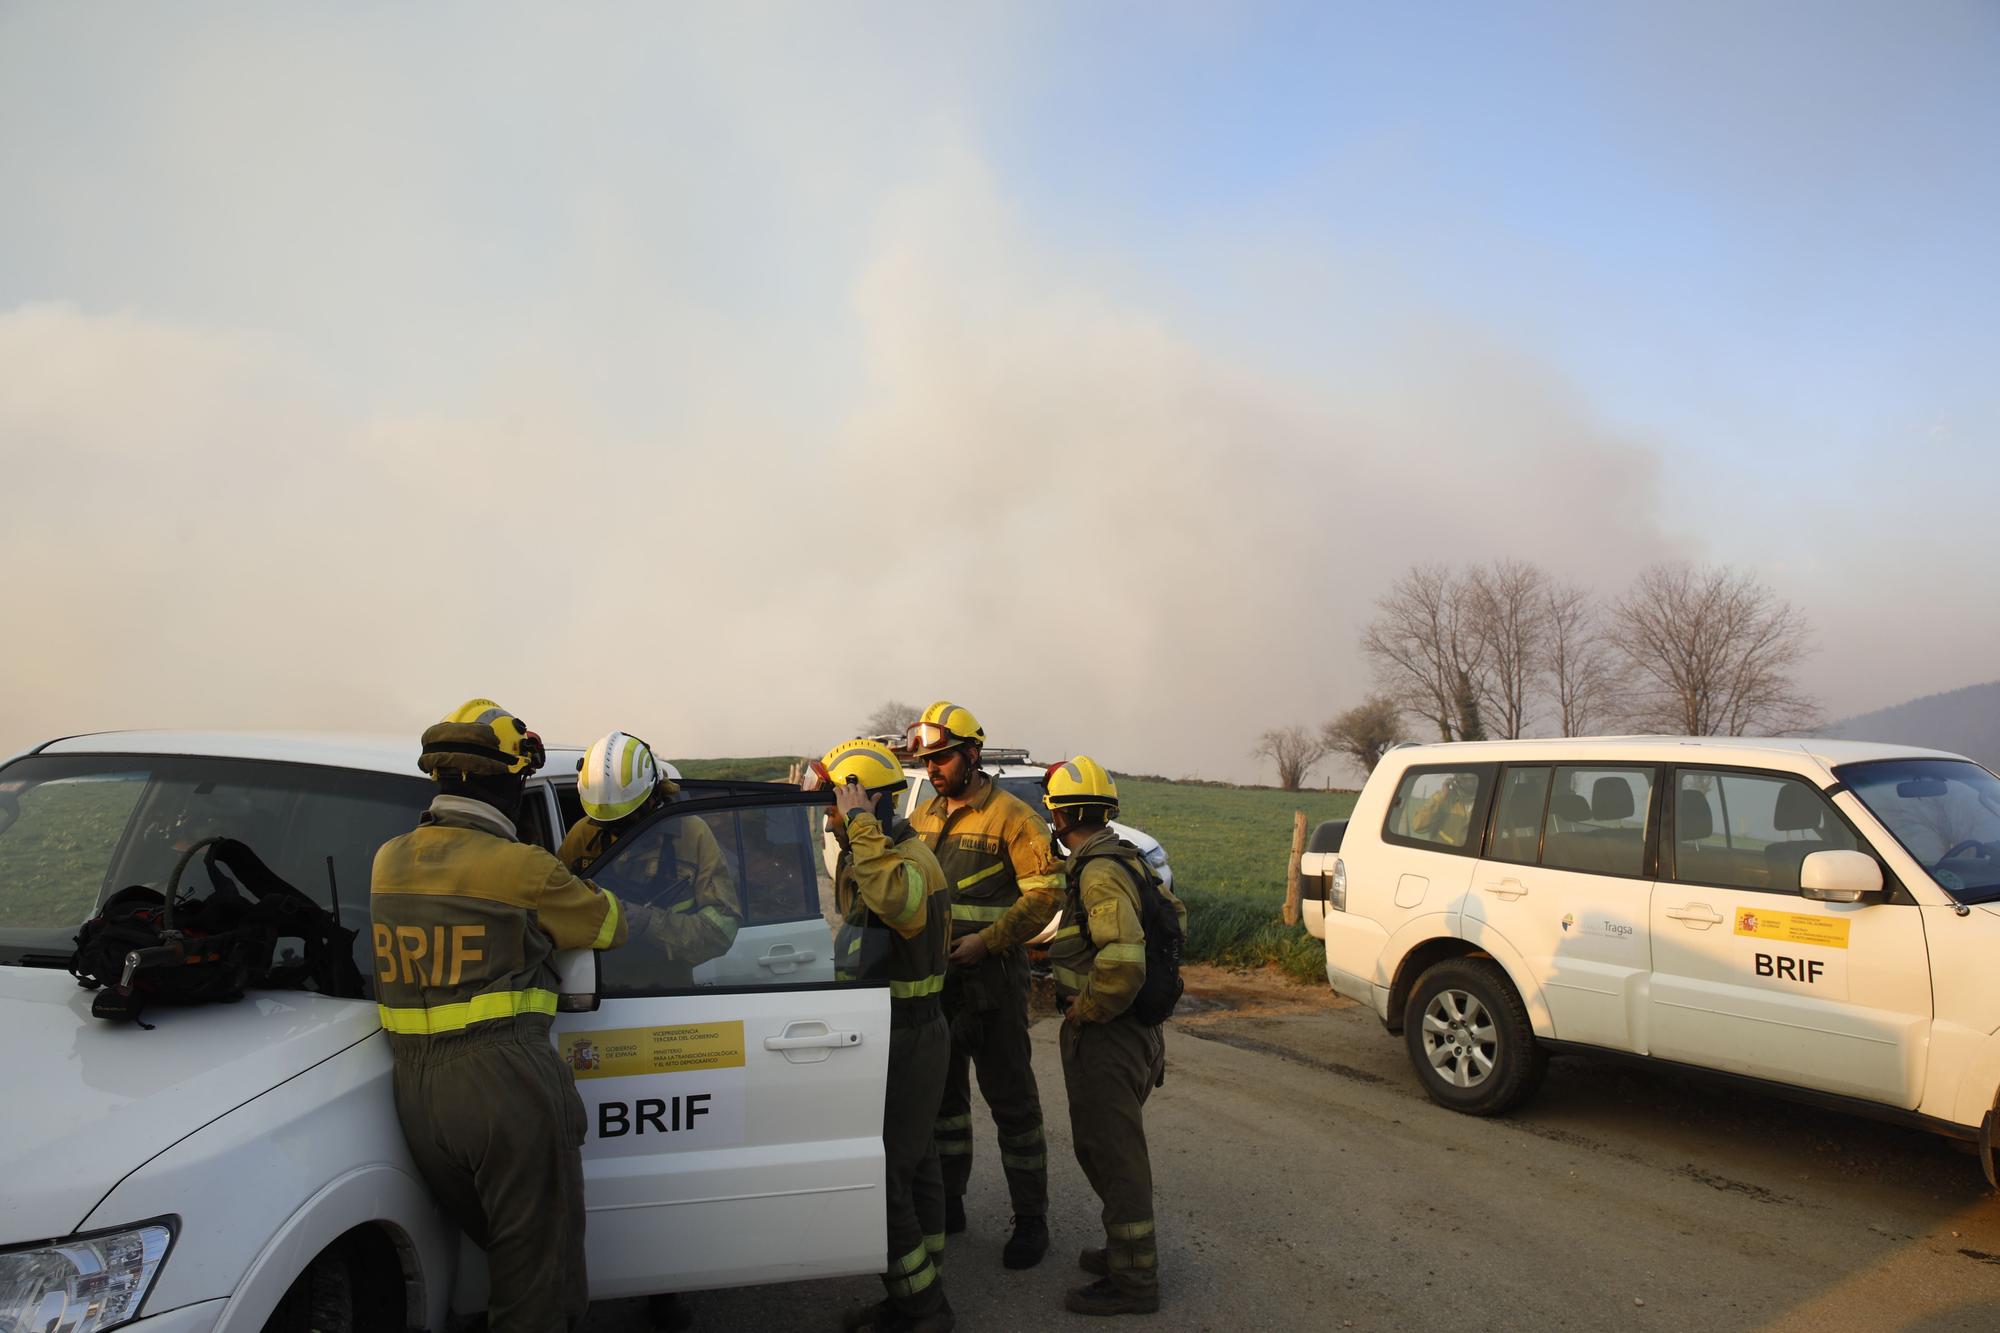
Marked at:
<point>1820,917</point>
<point>235,1167</point>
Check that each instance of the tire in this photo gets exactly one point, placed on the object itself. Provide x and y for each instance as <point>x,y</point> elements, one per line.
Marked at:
<point>1470,1040</point>
<point>320,1300</point>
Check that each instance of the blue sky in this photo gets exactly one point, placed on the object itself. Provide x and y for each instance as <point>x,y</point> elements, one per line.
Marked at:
<point>1259,303</point>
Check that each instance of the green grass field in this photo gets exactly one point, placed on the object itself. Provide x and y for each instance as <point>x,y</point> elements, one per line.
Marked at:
<point>1229,847</point>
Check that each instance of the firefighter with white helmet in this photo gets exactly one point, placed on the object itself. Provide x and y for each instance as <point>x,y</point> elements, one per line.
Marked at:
<point>895,923</point>
<point>1004,880</point>
<point>697,914</point>
<point>466,920</point>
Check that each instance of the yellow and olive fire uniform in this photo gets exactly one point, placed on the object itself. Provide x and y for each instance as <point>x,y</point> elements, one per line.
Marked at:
<point>466,919</point>
<point>1111,1061</point>
<point>695,912</point>
<point>896,922</point>
<point>1005,886</point>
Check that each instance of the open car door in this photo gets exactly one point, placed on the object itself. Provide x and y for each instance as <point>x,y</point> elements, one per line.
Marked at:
<point>734,1101</point>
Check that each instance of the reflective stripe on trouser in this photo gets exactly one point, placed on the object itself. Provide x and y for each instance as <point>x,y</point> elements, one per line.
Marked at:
<point>994,1044</point>
<point>914,1187</point>
<point>495,1126</point>
<point>1109,1069</point>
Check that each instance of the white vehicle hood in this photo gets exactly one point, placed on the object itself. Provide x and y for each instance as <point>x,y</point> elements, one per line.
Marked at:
<point>88,1101</point>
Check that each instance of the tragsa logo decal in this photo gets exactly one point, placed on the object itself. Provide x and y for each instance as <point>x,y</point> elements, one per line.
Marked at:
<point>1569,919</point>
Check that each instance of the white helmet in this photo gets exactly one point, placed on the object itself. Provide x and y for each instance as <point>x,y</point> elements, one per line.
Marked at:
<point>618,774</point>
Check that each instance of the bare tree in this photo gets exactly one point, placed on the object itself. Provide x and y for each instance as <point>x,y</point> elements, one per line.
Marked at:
<point>1711,652</point>
<point>891,719</point>
<point>1294,750</point>
<point>1508,601</point>
<point>1426,650</point>
<point>1364,733</point>
<point>1580,673</point>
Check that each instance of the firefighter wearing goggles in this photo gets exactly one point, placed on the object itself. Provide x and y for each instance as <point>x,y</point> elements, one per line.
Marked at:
<point>697,913</point>
<point>466,918</point>
<point>1005,882</point>
<point>895,922</point>
<point>1111,1061</point>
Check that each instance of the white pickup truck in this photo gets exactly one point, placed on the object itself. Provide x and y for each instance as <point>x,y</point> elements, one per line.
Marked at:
<point>238,1167</point>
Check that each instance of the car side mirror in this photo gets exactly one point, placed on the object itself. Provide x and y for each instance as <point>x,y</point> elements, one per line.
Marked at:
<point>1839,877</point>
<point>576,981</point>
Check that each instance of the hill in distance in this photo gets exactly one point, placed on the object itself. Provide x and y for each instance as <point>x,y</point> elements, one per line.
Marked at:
<point>1966,721</point>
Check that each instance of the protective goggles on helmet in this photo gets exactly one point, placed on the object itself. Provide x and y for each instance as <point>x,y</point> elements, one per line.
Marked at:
<point>816,778</point>
<point>925,737</point>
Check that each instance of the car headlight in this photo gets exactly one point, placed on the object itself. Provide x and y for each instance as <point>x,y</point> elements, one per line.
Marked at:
<point>1156,857</point>
<point>82,1284</point>
<point>1336,886</point>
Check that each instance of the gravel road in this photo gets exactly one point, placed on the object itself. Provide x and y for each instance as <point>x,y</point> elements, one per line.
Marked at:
<point>1303,1180</point>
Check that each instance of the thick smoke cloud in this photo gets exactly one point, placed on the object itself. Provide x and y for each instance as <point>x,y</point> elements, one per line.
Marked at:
<point>725,380</point>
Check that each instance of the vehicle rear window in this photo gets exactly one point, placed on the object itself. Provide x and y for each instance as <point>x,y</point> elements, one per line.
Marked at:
<point>1596,820</point>
<point>1434,808</point>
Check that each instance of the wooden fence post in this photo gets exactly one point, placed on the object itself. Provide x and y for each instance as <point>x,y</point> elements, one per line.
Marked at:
<point>1292,871</point>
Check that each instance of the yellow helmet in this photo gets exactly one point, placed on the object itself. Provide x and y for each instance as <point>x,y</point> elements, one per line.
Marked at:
<point>871,763</point>
<point>1080,781</point>
<point>617,776</point>
<point>480,738</point>
<point>943,726</point>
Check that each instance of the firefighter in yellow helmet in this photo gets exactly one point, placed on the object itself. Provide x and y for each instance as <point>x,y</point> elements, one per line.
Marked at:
<point>1111,1059</point>
<point>895,923</point>
<point>1004,882</point>
<point>696,913</point>
<point>466,918</point>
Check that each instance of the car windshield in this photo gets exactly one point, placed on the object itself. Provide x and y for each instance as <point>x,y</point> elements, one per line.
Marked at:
<point>1945,812</point>
<point>76,828</point>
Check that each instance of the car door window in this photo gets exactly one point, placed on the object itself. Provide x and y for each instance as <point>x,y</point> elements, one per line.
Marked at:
<point>1597,820</point>
<point>1518,814</point>
<point>1750,830</point>
<point>1435,807</point>
<point>718,895</point>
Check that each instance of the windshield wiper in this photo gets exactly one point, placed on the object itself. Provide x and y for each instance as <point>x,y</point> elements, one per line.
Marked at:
<point>42,960</point>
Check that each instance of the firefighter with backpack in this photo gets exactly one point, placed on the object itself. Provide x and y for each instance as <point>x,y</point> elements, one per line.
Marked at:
<point>1116,961</point>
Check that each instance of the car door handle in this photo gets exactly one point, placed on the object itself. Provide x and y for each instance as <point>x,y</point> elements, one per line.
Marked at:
<point>784,955</point>
<point>1698,916</point>
<point>835,1039</point>
<point>1506,888</point>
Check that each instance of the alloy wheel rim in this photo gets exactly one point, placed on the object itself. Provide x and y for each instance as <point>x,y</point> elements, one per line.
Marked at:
<point>1460,1038</point>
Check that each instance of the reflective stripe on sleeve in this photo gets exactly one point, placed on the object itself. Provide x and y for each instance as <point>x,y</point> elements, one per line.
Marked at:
<point>1124,951</point>
<point>1040,883</point>
<point>1065,977</point>
<point>419,1021</point>
<point>720,919</point>
<point>913,880</point>
<point>609,930</point>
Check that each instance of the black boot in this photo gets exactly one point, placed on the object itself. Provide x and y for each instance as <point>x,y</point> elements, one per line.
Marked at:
<point>954,1214</point>
<point>1028,1244</point>
<point>1093,1262</point>
<point>1105,1297</point>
